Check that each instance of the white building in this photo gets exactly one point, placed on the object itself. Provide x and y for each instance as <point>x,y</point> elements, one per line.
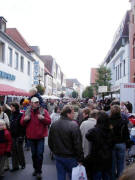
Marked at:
<point>118,58</point>
<point>16,65</point>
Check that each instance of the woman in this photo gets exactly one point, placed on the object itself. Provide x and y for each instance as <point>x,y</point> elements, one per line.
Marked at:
<point>99,160</point>
<point>17,132</point>
<point>120,138</point>
<point>4,117</point>
<point>55,115</point>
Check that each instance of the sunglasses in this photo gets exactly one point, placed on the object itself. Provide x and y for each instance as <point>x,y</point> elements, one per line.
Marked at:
<point>36,102</point>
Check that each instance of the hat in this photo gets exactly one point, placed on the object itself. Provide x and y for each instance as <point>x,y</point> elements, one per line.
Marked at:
<point>34,99</point>
<point>25,102</point>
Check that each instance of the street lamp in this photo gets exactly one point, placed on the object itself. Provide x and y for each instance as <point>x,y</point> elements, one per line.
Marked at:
<point>39,78</point>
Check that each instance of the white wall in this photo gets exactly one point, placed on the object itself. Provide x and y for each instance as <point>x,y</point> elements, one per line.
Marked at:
<point>23,80</point>
<point>120,56</point>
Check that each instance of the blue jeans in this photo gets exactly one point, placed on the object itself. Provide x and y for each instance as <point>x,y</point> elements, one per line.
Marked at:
<point>118,160</point>
<point>101,176</point>
<point>37,150</point>
<point>64,166</point>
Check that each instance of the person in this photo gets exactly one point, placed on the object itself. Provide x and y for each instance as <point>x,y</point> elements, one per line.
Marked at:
<point>66,143</point>
<point>4,117</point>
<point>129,173</point>
<point>51,106</point>
<point>34,93</point>
<point>56,115</point>
<point>5,112</point>
<point>6,109</point>
<point>86,114</point>
<point>17,133</point>
<point>36,130</point>
<point>99,160</point>
<point>5,146</point>
<point>120,138</point>
<point>85,126</point>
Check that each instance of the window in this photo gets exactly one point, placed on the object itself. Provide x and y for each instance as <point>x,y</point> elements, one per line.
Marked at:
<point>124,69</point>
<point>28,68</point>
<point>120,70</point>
<point>10,56</point>
<point>22,64</point>
<point>118,73</point>
<point>2,52</point>
<point>16,61</point>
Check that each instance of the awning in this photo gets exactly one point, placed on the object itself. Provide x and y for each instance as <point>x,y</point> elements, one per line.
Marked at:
<point>10,90</point>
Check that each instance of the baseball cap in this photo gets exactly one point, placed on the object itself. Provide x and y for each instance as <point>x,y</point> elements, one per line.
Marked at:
<point>34,99</point>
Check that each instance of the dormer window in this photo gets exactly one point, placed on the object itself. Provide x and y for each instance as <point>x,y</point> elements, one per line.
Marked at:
<point>2,24</point>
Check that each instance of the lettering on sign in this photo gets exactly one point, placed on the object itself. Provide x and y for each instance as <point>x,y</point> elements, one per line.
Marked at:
<point>5,75</point>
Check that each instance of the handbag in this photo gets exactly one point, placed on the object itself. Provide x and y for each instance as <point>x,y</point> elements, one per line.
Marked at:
<point>79,173</point>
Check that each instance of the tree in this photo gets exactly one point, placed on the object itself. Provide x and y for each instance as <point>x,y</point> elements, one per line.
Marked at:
<point>103,77</point>
<point>41,89</point>
<point>74,94</point>
<point>88,92</point>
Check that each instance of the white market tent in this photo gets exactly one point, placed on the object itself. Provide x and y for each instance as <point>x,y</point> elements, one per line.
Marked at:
<point>50,97</point>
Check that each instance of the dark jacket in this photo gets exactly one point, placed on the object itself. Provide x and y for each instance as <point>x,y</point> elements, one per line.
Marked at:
<point>120,130</point>
<point>41,102</point>
<point>100,157</point>
<point>65,139</point>
<point>15,127</point>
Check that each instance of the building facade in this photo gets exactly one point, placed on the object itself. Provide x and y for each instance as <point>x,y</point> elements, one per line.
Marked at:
<point>118,57</point>
<point>16,65</point>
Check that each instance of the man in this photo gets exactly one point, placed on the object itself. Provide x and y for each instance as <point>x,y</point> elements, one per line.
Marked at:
<point>36,129</point>
<point>65,142</point>
<point>85,126</point>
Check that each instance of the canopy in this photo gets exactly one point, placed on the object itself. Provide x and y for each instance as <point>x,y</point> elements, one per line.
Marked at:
<point>45,96</point>
<point>9,90</point>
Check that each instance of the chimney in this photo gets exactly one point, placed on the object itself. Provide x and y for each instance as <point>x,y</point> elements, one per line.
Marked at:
<point>36,49</point>
<point>2,24</point>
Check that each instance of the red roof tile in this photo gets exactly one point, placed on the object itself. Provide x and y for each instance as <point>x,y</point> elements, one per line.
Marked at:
<point>93,75</point>
<point>18,38</point>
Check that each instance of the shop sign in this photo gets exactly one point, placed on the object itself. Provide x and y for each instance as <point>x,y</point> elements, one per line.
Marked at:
<point>36,72</point>
<point>8,76</point>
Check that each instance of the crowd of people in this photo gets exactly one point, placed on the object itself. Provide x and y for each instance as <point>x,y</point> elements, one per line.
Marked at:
<point>85,132</point>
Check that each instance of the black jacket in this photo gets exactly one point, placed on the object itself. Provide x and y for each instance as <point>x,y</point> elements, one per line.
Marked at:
<point>120,130</point>
<point>100,157</point>
<point>15,127</point>
<point>65,139</point>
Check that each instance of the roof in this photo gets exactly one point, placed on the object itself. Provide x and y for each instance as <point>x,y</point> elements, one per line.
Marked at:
<point>69,83</point>
<point>74,81</point>
<point>48,61</point>
<point>18,38</point>
<point>93,75</point>
<point>10,90</point>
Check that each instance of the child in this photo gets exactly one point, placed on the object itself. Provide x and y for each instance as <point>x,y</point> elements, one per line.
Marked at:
<point>5,145</point>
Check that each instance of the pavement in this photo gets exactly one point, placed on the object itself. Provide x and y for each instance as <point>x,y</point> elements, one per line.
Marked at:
<point>49,169</point>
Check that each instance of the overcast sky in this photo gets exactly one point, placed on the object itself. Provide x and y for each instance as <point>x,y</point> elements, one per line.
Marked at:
<point>77,33</point>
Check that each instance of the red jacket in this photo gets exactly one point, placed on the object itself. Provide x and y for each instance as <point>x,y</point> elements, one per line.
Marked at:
<point>35,128</point>
<point>6,146</point>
